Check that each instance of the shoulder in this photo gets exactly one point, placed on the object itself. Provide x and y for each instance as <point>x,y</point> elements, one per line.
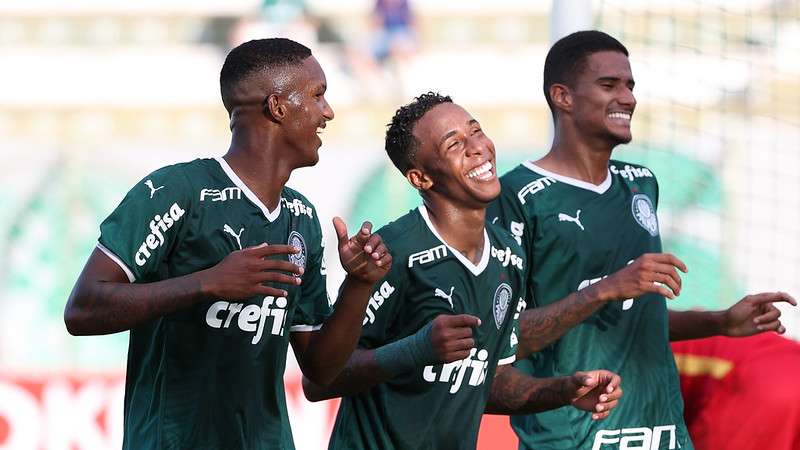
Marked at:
<point>630,171</point>
<point>401,232</point>
<point>297,204</point>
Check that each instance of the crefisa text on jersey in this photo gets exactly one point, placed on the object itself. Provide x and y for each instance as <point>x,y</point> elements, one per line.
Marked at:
<point>158,226</point>
<point>251,318</point>
<point>631,172</point>
<point>455,372</point>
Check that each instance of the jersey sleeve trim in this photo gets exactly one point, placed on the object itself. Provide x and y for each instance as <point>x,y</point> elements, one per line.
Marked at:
<point>119,262</point>
<point>294,328</point>
<point>508,360</point>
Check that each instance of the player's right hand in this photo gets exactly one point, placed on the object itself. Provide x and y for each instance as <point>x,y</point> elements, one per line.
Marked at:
<point>651,272</point>
<point>242,273</point>
<point>451,336</point>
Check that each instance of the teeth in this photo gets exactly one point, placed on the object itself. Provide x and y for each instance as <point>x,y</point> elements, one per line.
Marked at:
<point>620,115</point>
<point>480,170</point>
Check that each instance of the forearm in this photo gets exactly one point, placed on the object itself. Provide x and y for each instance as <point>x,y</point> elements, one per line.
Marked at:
<point>103,307</point>
<point>538,327</point>
<point>694,324</point>
<point>329,348</point>
<point>514,392</point>
<point>359,374</point>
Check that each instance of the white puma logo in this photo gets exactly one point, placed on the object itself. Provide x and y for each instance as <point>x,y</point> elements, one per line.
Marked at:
<point>227,228</point>
<point>440,293</point>
<point>577,219</point>
<point>149,184</point>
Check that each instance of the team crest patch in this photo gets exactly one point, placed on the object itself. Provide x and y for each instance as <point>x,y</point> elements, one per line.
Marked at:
<point>296,240</point>
<point>644,213</point>
<point>502,297</point>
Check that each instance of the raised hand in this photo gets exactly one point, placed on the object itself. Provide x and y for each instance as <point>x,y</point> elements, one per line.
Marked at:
<point>755,314</point>
<point>363,256</point>
<point>242,273</point>
<point>451,336</point>
<point>648,273</point>
<point>596,391</point>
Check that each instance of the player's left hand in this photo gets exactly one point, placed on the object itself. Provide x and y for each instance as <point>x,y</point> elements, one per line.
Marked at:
<point>755,314</point>
<point>363,256</point>
<point>596,391</point>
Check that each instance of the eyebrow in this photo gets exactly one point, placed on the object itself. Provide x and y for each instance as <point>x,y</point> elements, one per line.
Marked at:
<point>614,79</point>
<point>451,133</point>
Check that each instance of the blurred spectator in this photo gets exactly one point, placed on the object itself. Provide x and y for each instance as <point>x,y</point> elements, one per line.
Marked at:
<point>741,393</point>
<point>395,36</point>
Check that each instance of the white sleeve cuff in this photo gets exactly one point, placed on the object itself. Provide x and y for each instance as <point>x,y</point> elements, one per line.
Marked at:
<point>119,262</point>
<point>301,328</point>
<point>508,360</point>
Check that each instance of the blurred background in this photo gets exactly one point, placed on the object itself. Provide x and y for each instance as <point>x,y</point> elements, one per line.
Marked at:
<point>95,94</point>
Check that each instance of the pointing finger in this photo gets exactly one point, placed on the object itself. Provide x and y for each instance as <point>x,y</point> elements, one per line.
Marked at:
<point>341,230</point>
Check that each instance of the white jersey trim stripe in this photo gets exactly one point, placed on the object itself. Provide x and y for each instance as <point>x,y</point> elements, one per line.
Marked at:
<point>119,262</point>
<point>599,188</point>
<point>270,215</point>
<point>305,327</point>
<point>475,269</point>
<point>508,360</point>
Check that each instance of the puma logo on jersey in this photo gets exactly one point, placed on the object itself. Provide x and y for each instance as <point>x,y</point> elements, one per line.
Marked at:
<point>251,318</point>
<point>227,229</point>
<point>576,220</point>
<point>634,438</point>
<point>449,297</point>
<point>149,184</point>
<point>534,187</point>
<point>221,195</point>
<point>454,373</point>
<point>426,256</point>
<point>158,226</point>
<point>506,257</point>
<point>376,301</point>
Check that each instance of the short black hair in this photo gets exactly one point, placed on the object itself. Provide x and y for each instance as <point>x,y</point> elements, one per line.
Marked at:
<point>567,57</point>
<point>257,55</point>
<point>401,145</point>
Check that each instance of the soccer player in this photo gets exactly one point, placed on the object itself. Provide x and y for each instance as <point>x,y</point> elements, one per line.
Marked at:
<point>439,337</point>
<point>591,236</point>
<point>215,266</point>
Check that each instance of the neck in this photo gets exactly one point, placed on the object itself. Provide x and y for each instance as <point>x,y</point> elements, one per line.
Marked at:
<point>461,228</point>
<point>254,158</point>
<point>577,156</point>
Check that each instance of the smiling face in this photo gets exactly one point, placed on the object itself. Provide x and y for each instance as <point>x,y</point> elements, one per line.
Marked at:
<point>602,97</point>
<point>307,111</point>
<point>456,156</point>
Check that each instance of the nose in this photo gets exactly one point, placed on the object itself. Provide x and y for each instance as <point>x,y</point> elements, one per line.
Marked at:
<point>479,145</point>
<point>327,111</point>
<point>627,98</point>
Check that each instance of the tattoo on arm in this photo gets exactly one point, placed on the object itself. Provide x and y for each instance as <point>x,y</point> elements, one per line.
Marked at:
<point>359,375</point>
<point>538,327</point>
<point>514,392</point>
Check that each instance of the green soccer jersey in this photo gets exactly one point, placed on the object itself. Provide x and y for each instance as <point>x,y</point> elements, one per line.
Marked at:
<point>436,407</point>
<point>574,234</point>
<point>211,376</point>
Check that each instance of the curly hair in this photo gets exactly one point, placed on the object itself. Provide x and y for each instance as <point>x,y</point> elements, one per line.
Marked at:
<point>255,56</point>
<point>401,145</point>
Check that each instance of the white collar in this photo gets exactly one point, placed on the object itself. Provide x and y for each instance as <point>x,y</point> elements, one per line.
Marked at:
<point>475,269</point>
<point>270,215</point>
<point>598,188</point>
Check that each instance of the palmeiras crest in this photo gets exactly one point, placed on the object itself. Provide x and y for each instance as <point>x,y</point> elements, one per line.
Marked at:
<point>644,213</point>
<point>502,297</point>
<point>296,240</point>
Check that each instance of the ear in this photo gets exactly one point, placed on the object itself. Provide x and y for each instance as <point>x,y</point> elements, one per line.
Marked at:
<point>561,97</point>
<point>419,179</point>
<point>274,107</point>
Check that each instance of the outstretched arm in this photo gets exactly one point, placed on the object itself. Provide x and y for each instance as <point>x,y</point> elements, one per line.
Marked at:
<point>751,315</point>
<point>651,272</point>
<point>103,300</point>
<point>514,392</point>
<point>446,339</point>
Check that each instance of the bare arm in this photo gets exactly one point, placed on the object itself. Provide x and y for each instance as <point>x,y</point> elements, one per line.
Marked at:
<point>446,339</point>
<point>514,392</point>
<point>751,315</point>
<point>103,300</point>
<point>538,327</point>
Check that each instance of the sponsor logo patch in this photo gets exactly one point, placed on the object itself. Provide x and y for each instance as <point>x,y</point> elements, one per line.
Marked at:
<point>296,240</point>
<point>502,297</point>
<point>644,213</point>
